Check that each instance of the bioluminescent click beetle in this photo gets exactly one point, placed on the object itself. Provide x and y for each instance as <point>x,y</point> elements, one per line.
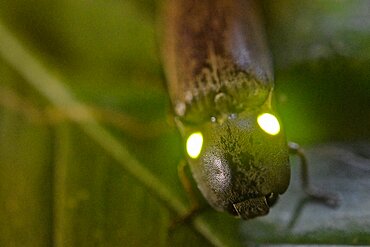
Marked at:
<point>220,81</point>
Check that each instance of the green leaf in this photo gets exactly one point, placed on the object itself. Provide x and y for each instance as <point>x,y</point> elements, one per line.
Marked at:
<point>26,180</point>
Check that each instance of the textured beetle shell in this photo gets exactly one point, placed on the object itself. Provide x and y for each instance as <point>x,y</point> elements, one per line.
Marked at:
<point>216,57</point>
<point>240,162</point>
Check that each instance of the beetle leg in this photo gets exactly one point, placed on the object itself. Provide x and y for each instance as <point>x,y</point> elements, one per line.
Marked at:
<point>186,183</point>
<point>194,203</point>
<point>316,194</point>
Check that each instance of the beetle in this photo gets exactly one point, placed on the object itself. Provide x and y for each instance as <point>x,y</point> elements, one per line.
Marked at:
<point>220,81</point>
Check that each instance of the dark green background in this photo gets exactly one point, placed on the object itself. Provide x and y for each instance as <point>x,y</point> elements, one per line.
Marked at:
<point>58,187</point>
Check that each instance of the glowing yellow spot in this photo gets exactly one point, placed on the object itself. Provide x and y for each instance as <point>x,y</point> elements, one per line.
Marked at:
<point>269,123</point>
<point>194,144</point>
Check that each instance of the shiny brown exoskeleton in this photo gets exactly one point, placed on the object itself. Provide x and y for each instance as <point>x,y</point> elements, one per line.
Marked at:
<point>220,80</point>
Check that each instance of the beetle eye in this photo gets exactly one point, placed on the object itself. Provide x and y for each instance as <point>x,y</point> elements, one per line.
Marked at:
<point>194,144</point>
<point>269,123</point>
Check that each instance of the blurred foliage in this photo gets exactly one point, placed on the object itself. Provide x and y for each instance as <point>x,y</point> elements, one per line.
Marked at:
<point>322,46</point>
<point>58,187</point>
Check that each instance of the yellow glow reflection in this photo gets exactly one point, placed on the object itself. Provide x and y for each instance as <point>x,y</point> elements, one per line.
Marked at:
<point>269,123</point>
<point>194,144</point>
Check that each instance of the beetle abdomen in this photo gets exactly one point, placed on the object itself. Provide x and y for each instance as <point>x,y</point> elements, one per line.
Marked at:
<point>216,57</point>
